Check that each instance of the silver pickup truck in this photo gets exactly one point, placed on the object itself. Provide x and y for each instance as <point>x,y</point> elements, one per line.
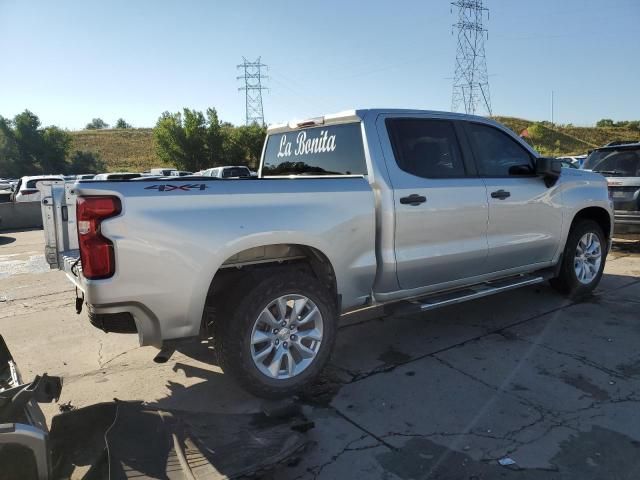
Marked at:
<point>366,209</point>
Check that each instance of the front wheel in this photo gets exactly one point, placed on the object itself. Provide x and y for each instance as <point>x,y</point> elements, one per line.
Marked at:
<point>276,336</point>
<point>583,259</point>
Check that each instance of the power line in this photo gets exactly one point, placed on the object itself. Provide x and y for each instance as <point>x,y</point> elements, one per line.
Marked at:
<point>252,75</point>
<point>470,81</point>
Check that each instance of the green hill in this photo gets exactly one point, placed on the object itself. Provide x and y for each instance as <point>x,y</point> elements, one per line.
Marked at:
<point>557,140</point>
<point>122,150</point>
<point>134,149</point>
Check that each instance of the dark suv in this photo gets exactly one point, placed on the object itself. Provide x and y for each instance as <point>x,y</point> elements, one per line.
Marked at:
<point>620,163</point>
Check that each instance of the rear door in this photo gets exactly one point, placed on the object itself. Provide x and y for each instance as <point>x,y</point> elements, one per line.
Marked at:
<point>525,216</point>
<point>441,208</point>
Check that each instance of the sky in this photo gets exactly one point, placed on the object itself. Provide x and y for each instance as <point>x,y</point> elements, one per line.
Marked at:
<point>69,62</point>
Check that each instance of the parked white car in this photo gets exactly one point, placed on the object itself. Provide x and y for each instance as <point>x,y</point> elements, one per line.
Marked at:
<point>163,172</point>
<point>27,188</point>
<point>228,172</point>
<point>117,176</point>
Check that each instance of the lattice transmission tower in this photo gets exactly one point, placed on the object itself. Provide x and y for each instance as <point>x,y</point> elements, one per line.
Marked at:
<point>252,75</point>
<point>471,81</point>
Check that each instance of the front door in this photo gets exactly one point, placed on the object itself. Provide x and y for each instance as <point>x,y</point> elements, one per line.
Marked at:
<point>525,216</point>
<point>440,210</point>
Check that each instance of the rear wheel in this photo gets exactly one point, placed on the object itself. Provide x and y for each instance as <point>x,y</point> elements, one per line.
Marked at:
<point>277,335</point>
<point>583,259</point>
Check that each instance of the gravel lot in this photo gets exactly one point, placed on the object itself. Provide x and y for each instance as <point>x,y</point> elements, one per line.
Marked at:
<point>527,375</point>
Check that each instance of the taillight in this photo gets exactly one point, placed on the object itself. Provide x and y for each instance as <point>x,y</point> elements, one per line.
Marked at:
<point>96,251</point>
<point>30,191</point>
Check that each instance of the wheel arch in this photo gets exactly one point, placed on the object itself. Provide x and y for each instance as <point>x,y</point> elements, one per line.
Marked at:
<point>599,215</point>
<point>241,266</point>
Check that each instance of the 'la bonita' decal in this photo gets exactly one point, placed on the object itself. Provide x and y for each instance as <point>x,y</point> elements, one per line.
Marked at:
<point>307,146</point>
<point>185,188</point>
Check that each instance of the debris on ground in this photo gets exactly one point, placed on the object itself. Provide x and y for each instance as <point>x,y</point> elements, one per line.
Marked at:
<point>66,406</point>
<point>506,461</point>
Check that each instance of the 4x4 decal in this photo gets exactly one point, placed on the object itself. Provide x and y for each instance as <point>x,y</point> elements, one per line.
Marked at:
<point>169,188</point>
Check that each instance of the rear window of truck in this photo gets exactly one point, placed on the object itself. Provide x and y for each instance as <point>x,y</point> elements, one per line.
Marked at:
<point>325,150</point>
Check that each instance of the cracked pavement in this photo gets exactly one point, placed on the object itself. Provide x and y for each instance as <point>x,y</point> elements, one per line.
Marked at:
<point>527,374</point>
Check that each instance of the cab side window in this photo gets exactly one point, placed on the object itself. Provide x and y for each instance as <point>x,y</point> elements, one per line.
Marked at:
<point>497,154</point>
<point>426,148</point>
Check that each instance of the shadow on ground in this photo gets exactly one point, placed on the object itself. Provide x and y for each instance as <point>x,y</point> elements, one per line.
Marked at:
<point>5,240</point>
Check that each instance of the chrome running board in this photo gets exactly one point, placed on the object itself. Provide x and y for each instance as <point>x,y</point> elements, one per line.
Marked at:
<point>430,302</point>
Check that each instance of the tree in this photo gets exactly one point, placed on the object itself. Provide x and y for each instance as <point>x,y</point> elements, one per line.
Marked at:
<point>54,148</point>
<point>9,165</point>
<point>85,162</point>
<point>188,140</point>
<point>96,124</point>
<point>120,123</point>
<point>28,149</point>
<point>605,122</point>
<point>243,145</point>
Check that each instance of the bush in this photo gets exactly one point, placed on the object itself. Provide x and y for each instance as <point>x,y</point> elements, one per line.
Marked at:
<point>120,123</point>
<point>85,162</point>
<point>96,124</point>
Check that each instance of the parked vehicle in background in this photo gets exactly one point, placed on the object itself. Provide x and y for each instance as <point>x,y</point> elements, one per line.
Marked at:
<point>27,187</point>
<point>575,160</point>
<point>180,173</point>
<point>163,172</point>
<point>228,172</point>
<point>117,176</point>
<point>361,210</point>
<point>5,184</point>
<point>620,164</point>
<point>85,176</point>
<point>566,163</point>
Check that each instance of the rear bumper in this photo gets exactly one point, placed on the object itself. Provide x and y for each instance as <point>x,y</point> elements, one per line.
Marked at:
<point>627,222</point>
<point>122,322</point>
<point>116,317</point>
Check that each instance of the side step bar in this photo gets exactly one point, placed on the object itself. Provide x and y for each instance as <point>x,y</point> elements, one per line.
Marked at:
<point>452,297</point>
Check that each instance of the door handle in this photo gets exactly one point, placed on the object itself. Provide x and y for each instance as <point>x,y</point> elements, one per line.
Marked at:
<point>413,199</point>
<point>501,194</point>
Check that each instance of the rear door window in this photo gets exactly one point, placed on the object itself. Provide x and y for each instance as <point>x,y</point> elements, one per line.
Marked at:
<point>426,148</point>
<point>326,150</point>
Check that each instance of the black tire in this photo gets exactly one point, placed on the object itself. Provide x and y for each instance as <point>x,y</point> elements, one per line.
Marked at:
<point>234,324</point>
<point>567,281</point>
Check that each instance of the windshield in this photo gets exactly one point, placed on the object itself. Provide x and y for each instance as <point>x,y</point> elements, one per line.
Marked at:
<point>34,183</point>
<point>326,150</point>
<point>623,162</point>
<point>235,172</point>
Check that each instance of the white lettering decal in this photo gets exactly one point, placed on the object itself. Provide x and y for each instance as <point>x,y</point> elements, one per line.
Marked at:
<point>305,146</point>
<point>287,147</point>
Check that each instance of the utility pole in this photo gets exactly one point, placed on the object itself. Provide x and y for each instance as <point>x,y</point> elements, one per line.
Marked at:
<point>252,75</point>
<point>552,108</point>
<point>471,81</point>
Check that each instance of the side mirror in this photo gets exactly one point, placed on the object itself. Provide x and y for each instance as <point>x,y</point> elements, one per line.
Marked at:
<point>549,169</point>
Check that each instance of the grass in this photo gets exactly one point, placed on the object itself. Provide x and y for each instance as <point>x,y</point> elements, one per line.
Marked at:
<point>122,149</point>
<point>557,140</point>
<point>134,149</point>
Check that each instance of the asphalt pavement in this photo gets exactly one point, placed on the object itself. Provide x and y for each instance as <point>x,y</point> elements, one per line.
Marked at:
<point>526,384</point>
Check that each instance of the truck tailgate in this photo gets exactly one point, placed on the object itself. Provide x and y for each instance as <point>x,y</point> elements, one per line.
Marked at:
<point>59,223</point>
